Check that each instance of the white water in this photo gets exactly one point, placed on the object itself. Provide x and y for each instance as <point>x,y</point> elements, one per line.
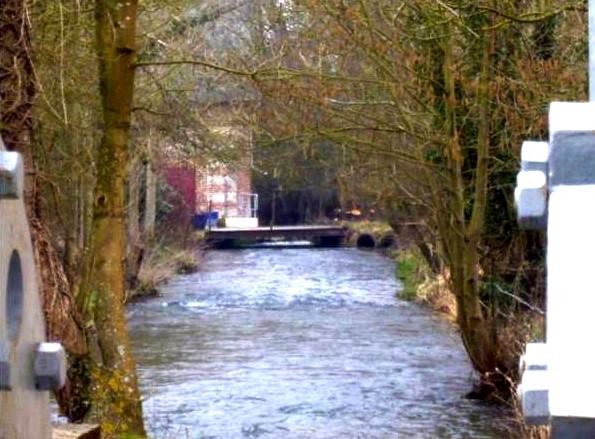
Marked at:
<point>301,343</point>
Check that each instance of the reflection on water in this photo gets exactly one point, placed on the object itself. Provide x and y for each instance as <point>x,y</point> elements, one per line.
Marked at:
<point>301,343</point>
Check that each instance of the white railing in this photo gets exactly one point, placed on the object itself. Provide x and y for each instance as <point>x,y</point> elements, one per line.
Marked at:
<point>248,205</point>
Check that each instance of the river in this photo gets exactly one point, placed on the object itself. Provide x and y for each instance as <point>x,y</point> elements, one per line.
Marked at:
<point>301,343</point>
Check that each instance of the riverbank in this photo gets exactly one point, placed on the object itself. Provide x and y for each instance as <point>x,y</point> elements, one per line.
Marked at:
<point>164,261</point>
<point>421,285</point>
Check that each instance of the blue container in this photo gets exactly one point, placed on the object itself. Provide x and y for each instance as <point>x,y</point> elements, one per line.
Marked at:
<point>199,221</point>
<point>212,219</point>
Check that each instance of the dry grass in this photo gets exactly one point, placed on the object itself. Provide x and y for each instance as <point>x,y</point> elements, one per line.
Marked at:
<point>514,330</point>
<point>422,286</point>
<point>512,338</point>
<point>161,264</point>
<point>434,291</point>
<point>375,228</point>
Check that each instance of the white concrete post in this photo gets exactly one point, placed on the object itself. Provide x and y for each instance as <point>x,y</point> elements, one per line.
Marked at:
<point>29,367</point>
<point>558,383</point>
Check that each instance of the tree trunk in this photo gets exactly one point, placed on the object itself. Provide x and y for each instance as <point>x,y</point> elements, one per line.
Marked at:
<point>134,245</point>
<point>116,402</point>
<point>461,236</point>
<point>150,202</point>
<point>476,327</point>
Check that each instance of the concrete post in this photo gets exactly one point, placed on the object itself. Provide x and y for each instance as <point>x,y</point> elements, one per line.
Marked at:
<point>558,385</point>
<point>29,367</point>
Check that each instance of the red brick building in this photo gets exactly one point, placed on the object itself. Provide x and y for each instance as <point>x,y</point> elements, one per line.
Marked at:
<point>227,192</point>
<point>227,189</point>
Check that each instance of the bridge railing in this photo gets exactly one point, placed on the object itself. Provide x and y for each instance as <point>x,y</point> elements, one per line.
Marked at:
<point>247,205</point>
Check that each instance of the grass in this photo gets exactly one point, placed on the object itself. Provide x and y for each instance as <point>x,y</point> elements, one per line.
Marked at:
<point>409,272</point>
<point>375,228</point>
<point>423,286</point>
<point>161,264</point>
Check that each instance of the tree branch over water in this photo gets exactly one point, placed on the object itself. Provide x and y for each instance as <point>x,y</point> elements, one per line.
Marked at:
<point>207,64</point>
<point>531,17</point>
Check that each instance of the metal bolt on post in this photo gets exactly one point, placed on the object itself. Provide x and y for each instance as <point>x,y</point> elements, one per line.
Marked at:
<point>531,192</point>
<point>5,382</point>
<point>11,174</point>
<point>49,366</point>
<point>534,390</point>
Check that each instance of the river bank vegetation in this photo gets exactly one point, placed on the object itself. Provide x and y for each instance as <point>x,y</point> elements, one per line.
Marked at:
<point>162,264</point>
<point>412,112</point>
<point>422,285</point>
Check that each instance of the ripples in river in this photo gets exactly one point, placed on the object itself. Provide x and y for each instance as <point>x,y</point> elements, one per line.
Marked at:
<point>297,343</point>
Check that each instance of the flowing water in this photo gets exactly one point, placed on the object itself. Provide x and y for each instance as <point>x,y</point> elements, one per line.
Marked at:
<point>301,343</point>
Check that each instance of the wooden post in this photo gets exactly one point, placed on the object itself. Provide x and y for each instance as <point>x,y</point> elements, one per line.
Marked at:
<point>273,208</point>
<point>210,211</point>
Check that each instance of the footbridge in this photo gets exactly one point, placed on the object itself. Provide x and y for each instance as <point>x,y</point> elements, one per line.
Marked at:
<point>319,235</point>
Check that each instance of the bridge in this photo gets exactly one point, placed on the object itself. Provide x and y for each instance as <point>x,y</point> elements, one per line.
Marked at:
<point>323,236</point>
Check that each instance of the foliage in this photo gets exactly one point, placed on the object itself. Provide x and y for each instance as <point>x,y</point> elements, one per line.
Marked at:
<point>422,285</point>
<point>163,263</point>
<point>428,103</point>
<point>415,110</point>
<point>410,271</point>
<point>300,178</point>
<point>376,228</point>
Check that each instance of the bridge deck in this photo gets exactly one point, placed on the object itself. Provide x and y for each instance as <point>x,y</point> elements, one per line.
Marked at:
<point>268,233</point>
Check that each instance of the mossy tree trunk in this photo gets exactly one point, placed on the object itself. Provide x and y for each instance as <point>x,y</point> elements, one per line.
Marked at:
<point>135,247</point>
<point>150,202</point>
<point>115,398</point>
<point>462,216</point>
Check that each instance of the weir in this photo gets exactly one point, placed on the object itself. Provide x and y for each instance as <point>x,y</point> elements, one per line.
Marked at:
<point>325,236</point>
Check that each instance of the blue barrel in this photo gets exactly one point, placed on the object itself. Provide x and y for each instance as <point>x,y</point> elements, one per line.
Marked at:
<point>199,221</point>
<point>212,219</point>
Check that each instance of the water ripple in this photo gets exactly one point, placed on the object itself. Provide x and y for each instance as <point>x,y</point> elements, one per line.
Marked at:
<point>301,344</point>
